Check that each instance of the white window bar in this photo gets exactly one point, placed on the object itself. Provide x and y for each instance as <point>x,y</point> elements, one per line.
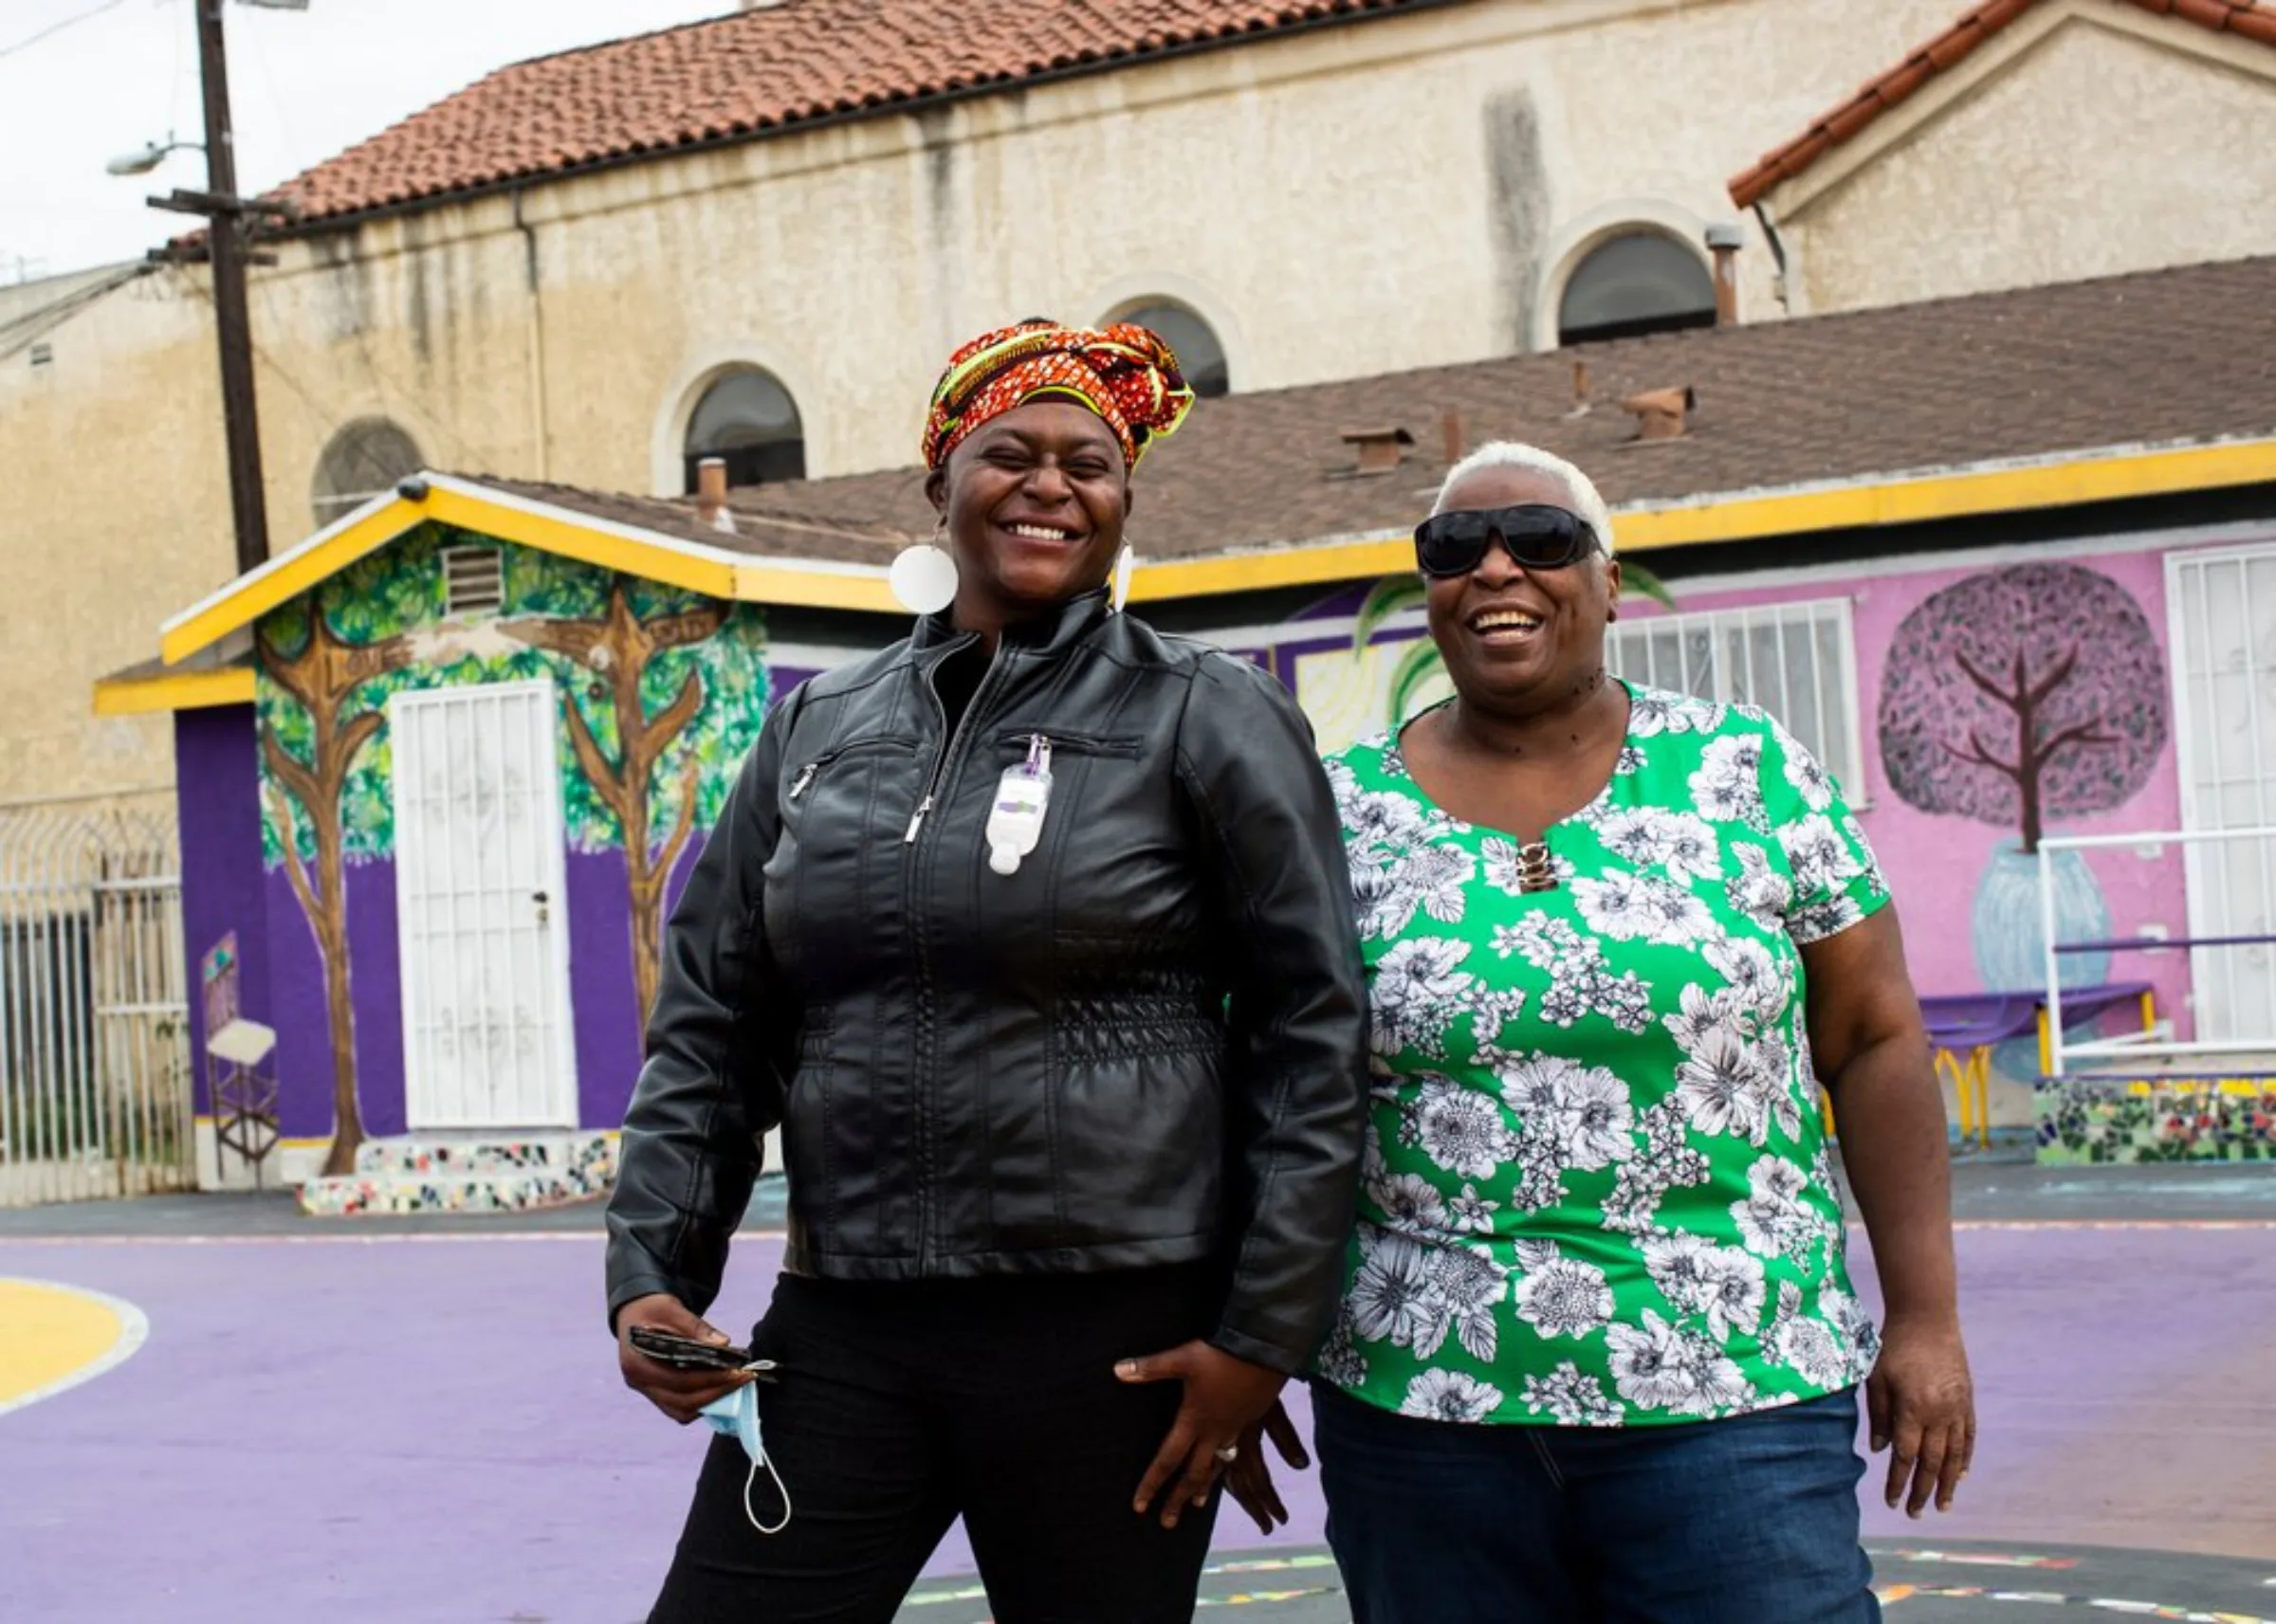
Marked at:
<point>1750,655</point>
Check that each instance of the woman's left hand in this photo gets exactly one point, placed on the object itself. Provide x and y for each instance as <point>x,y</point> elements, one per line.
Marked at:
<point>1224,1397</point>
<point>1920,1404</point>
<point>1249,1479</point>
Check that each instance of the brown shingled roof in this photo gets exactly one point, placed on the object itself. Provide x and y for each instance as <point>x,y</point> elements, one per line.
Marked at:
<point>2153,359</point>
<point>2246,18</point>
<point>740,76</point>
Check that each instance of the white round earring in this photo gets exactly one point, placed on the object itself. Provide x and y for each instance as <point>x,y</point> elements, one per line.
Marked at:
<point>1125,562</point>
<point>924,576</point>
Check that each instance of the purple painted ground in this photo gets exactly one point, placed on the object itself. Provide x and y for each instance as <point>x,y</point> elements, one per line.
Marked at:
<point>421,1429</point>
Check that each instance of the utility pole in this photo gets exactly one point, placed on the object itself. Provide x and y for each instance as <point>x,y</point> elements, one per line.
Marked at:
<point>229,220</point>
<point>240,418</point>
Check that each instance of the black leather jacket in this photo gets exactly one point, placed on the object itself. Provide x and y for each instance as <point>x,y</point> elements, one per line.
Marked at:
<point>1145,1047</point>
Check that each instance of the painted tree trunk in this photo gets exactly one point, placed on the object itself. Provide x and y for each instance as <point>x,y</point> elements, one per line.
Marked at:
<point>331,924</point>
<point>620,645</point>
<point>320,678</point>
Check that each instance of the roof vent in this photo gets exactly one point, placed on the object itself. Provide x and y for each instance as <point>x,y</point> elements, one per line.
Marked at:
<point>473,581</point>
<point>1661,414</point>
<point>1725,240</point>
<point>1458,437</point>
<point>711,495</point>
<point>1380,451</point>
<point>1580,390</point>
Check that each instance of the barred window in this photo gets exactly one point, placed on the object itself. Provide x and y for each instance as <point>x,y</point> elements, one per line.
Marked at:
<point>1798,661</point>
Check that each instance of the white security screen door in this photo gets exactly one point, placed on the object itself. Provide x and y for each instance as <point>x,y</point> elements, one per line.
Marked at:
<point>2223,610</point>
<point>480,895</point>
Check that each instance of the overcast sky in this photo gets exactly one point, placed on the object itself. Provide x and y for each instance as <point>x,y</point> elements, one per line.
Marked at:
<point>303,85</point>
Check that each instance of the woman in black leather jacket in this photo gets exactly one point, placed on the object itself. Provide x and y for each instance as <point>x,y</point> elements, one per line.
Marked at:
<point>1032,933</point>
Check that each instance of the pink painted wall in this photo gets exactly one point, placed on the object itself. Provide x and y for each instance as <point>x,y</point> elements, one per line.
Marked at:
<point>1937,861</point>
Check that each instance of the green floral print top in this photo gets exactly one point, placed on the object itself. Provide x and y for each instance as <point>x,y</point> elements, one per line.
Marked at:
<point>1596,1189</point>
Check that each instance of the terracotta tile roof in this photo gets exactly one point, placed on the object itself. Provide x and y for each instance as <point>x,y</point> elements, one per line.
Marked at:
<point>2246,18</point>
<point>2153,359</point>
<point>741,77</point>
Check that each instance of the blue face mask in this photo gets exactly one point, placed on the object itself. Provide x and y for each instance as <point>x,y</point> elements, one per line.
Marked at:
<point>735,1415</point>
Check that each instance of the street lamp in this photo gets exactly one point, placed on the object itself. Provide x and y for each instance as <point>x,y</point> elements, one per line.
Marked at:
<point>149,157</point>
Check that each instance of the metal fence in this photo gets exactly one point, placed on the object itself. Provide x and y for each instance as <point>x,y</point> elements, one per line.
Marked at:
<point>95,1084</point>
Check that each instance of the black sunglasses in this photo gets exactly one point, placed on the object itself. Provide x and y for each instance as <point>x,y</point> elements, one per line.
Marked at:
<point>1536,535</point>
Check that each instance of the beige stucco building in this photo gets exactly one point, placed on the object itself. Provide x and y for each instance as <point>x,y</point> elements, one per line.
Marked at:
<point>1414,185</point>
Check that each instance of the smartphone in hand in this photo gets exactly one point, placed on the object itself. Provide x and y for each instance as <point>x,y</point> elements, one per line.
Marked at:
<point>682,1353</point>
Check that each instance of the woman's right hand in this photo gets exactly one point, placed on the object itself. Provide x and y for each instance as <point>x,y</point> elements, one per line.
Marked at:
<point>680,1393</point>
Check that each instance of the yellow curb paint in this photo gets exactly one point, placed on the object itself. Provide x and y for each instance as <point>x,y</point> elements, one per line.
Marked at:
<point>1895,1594</point>
<point>54,1337</point>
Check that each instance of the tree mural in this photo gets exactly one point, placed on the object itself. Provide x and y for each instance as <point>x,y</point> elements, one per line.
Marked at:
<point>2024,694</point>
<point>320,679</point>
<point>621,646</point>
<point>646,673</point>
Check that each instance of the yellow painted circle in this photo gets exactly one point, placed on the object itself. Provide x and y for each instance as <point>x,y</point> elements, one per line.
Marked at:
<point>53,1337</point>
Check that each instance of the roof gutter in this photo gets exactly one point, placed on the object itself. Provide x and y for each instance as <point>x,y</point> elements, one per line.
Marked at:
<point>324,225</point>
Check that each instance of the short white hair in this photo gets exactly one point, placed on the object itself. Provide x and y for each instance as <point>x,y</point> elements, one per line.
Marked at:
<point>1586,500</point>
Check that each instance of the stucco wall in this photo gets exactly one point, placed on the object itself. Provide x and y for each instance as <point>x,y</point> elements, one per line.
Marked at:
<point>1354,201</point>
<point>1397,193</point>
<point>2101,146</point>
<point>117,516</point>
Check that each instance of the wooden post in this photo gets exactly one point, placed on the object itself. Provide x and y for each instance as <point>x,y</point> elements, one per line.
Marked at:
<point>249,506</point>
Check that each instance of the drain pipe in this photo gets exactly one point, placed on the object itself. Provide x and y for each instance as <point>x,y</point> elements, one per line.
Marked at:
<point>1782,286</point>
<point>536,340</point>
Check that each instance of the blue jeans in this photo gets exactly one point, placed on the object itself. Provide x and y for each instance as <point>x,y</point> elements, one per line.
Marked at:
<point>1747,1520</point>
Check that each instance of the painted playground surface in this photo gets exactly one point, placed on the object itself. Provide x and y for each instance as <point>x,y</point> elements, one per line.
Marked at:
<point>212,1408</point>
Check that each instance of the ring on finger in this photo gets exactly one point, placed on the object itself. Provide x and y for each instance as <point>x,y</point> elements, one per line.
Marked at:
<point>1227,1455</point>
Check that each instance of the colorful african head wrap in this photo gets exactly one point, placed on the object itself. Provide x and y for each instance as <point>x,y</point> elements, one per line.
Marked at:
<point>1124,373</point>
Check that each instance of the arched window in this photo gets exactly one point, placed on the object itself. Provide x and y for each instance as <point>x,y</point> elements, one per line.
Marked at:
<point>1200,356</point>
<point>366,459</point>
<point>749,418</point>
<point>1643,282</point>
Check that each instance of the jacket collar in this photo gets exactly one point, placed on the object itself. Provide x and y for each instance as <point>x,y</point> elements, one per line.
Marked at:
<point>1047,634</point>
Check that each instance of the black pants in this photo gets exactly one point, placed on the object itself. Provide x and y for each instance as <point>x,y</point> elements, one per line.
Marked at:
<point>904,1405</point>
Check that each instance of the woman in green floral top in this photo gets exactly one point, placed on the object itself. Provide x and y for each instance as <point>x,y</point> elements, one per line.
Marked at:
<point>1599,1351</point>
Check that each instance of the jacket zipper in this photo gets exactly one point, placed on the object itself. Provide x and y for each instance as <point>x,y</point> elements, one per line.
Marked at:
<point>1021,739</point>
<point>806,775</point>
<point>940,766</point>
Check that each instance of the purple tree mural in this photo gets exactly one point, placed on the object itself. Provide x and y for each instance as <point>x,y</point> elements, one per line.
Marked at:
<point>2023,694</point>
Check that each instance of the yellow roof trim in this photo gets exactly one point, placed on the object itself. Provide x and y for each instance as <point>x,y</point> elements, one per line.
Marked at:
<point>2067,482</point>
<point>808,588</point>
<point>177,690</point>
<point>711,571</point>
<point>283,578</point>
<point>553,530</point>
<point>2064,481</point>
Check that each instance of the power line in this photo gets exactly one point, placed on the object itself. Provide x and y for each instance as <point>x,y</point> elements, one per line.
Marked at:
<point>27,329</point>
<point>53,29</point>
